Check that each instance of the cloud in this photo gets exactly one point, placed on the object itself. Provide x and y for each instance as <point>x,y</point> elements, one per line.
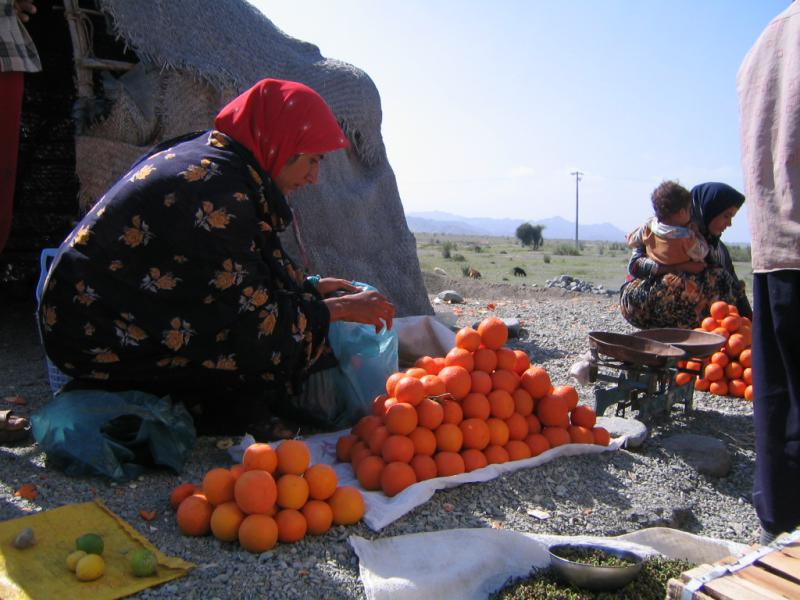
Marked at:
<point>521,171</point>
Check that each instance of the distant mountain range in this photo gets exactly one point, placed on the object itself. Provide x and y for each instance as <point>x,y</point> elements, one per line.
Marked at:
<point>555,228</point>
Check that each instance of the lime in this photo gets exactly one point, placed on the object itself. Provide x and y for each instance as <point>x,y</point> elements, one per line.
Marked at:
<point>91,543</point>
<point>143,563</point>
<point>90,567</point>
<point>73,558</point>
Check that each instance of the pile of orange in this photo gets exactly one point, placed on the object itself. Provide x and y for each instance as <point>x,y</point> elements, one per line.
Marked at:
<point>727,372</point>
<point>275,494</point>
<point>483,403</point>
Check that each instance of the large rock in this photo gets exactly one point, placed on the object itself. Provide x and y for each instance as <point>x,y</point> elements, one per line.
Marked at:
<point>708,455</point>
<point>636,431</point>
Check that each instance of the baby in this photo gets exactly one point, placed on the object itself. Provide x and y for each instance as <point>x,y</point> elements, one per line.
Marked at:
<point>669,237</point>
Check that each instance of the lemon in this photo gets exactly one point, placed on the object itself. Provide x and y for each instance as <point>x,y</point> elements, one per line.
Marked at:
<point>73,558</point>
<point>91,543</point>
<point>143,563</point>
<point>90,567</point>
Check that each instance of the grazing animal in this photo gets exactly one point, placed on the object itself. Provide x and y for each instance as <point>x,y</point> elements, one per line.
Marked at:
<point>440,271</point>
<point>519,272</point>
<point>474,273</point>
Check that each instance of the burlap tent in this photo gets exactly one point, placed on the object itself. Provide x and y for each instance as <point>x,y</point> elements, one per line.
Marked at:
<point>194,56</point>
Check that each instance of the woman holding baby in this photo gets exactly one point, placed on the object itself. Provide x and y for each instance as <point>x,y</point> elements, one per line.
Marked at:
<point>679,264</point>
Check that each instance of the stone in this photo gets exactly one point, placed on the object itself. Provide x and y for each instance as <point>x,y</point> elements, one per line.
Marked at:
<point>617,426</point>
<point>451,296</point>
<point>708,455</point>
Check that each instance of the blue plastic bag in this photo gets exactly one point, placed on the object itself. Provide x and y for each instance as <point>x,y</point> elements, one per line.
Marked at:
<point>366,360</point>
<point>116,434</point>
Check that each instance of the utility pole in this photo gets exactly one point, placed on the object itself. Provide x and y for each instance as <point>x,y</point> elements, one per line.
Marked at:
<point>578,176</point>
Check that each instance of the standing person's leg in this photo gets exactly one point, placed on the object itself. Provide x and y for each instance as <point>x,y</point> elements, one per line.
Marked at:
<point>776,386</point>
<point>11,88</point>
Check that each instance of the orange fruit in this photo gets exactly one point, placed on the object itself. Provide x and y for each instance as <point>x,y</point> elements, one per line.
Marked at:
<point>260,456</point>
<point>521,362</point>
<point>401,418</point>
<point>557,436</point>
<point>713,372</point>
<point>747,333</point>
<point>255,492</point>
<point>292,525</point>
<point>377,405</point>
<point>718,310</point>
<point>377,439</point>
<point>736,388</point>
<point>498,432</point>
<point>732,310</point>
<point>475,433</point>
<point>225,521</point>
<point>720,358</point>
<point>701,385</point>
<point>496,455</point>
<point>506,359</point>
<point>493,332</point>
<point>194,515</point>
<point>485,360</point>
<point>468,339</point>
<point>398,448</point>
<point>409,390</point>
<point>537,443</point>
<point>449,437</point>
<point>473,459</point>
<point>580,435</point>
<point>745,357</point>
<point>748,393</point>
<point>424,467</point>
<point>747,375</point>
<point>433,385</point>
<point>369,472</point>
<point>343,447</point>
<point>396,477</point>
<point>517,450</point>
<point>318,515</point>
<point>180,493</point>
<point>425,362</point>
<point>736,344</point>
<point>534,425</point>
<point>476,406</point>
<point>719,387</point>
<point>424,441</point>
<point>388,403</point>
<point>458,357</point>
<point>501,403</point>
<point>456,380</point>
<point>366,425</point>
<point>415,372</point>
<point>237,470</point>
<point>536,382</point>
<point>568,393</point>
<point>430,414</point>
<point>731,323</point>
<point>722,331</point>
<point>358,454</point>
<point>292,491</point>
<point>682,378</point>
<point>258,533</point>
<point>481,382</point>
<point>734,370</point>
<point>503,379</point>
<point>709,324</point>
<point>453,412</point>
<point>523,402</point>
<point>391,381</point>
<point>347,504</point>
<point>322,481</point>
<point>584,416</point>
<point>552,411</point>
<point>517,427</point>
<point>293,457</point>
<point>449,463</point>
<point>218,486</point>
<point>601,436</point>
<point>694,365</point>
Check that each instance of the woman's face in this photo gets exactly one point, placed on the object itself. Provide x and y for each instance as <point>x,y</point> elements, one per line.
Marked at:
<point>722,221</point>
<point>300,170</point>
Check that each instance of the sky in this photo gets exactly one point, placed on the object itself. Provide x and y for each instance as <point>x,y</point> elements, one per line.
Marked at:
<point>489,106</point>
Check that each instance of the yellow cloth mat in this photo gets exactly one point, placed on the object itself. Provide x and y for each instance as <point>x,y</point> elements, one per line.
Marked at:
<point>40,572</point>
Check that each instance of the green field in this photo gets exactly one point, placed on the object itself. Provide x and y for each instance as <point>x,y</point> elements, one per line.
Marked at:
<point>495,257</point>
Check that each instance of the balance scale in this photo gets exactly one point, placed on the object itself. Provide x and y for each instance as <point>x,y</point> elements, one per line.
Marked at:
<point>642,368</point>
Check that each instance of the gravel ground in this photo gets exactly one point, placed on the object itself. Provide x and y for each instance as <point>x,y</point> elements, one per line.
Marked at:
<point>606,494</point>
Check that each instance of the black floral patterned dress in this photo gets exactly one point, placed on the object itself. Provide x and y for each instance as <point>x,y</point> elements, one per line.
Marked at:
<point>176,281</point>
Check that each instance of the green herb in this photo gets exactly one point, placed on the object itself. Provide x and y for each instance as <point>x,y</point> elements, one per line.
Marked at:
<point>650,584</point>
<point>593,557</point>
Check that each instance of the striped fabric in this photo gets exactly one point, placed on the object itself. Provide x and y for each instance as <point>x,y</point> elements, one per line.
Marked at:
<point>17,51</point>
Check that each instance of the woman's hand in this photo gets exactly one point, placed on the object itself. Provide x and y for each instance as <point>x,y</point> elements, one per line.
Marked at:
<point>368,307</point>
<point>24,9</point>
<point>328,285</point>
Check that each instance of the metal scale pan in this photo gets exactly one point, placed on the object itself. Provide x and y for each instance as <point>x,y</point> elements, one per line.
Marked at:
<point>696,344</point>
<point>635,350</point>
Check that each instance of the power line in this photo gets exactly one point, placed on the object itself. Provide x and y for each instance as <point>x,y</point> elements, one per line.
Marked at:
<point>578,176</point>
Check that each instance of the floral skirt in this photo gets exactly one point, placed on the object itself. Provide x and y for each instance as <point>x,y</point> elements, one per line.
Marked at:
<point>678,300</point>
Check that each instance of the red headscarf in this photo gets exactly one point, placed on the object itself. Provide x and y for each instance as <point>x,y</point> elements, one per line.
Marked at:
<point>277,119</point>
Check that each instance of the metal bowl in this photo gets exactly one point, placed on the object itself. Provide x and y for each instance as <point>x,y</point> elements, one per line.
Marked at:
<point>598,579</point>
<point>636,350</point>
<point>696,344</point>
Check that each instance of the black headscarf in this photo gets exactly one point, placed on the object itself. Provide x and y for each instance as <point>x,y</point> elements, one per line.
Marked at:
<point>710,200</point>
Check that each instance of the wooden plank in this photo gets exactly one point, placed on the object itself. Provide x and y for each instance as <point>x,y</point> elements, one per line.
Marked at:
<point>675,591</point>
<point>769,581</point>
<point>793,550</point>
<point>735,588</point>
<point>782,564</point>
